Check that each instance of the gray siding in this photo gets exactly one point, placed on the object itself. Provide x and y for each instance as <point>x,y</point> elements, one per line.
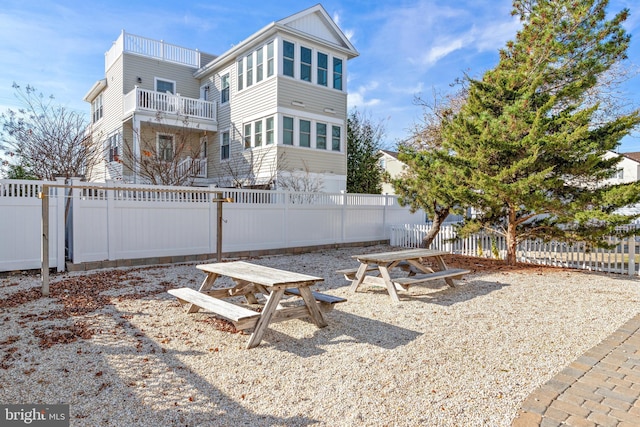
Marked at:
<point>147,68</point>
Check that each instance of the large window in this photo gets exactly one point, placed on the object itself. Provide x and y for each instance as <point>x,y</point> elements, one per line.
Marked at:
<point>321,136</point>
<point>247,135</point>
<point>287,130</point>
<point>269,131</point>
<point>270,63</point>
<point>288,57</point>
<point>240,74</point>
<point>224,89</point>
<point>96,108</point>
<point>337,73</point>
<point>322,69</point>
<point>305,64</point>
<point>259,64</point>
<point>305,133</point>
<point>335,138</point>
<point>249,69</point>
<point>224,146</point>
<point>165,147</point>
<point>258,133</point>
<point>165,86</point>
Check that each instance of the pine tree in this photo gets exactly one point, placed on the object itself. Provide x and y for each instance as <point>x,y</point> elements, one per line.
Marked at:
<point>526,141</point>
<point>364,174</point>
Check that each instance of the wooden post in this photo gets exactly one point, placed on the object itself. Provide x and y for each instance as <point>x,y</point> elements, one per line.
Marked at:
<point>44,196</point>
<point>219,201</point>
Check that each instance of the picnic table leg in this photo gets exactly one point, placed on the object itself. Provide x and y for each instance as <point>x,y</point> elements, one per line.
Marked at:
<point>312,306</point>
<point>265,317</point>
<point>207,283</point>
<point>359,276</point>
<point>391,288</point>
<point>443,266</point>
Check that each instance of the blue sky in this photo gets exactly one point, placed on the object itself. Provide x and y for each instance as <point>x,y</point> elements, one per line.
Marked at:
<point>407,48</point>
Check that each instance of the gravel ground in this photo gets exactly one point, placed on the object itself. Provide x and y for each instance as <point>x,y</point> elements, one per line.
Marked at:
<point>122,352</point>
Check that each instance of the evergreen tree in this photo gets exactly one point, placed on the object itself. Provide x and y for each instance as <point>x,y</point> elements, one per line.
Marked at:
<point>364,174</point>
<point>526,141</point>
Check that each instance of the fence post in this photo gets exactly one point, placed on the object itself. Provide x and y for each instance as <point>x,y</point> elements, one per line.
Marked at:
<point>60,224</point>
<point>111,220</point>
<point>44,196</point>
<point>343,219</point>
<point>631,243</point>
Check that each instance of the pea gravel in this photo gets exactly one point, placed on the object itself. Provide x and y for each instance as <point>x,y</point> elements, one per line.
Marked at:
<point>466,356</point>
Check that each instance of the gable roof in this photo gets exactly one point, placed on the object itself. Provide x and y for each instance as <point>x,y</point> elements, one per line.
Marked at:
<point>313,23</point>
<point>393,154</point>
<point>633,156</point>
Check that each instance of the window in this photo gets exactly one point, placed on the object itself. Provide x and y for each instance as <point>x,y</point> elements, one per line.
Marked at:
<point>620,174</point>
<point>322,69</point>
<point>224,146</point>
<point>287,130</point>
<point>96,107</point>
<point>337,73</point>
<point>113,147</point>
<point>270,64</point>
<point>247,135</point>
<point>335,138</point>
<point>240,74</point>
<point>269,131</point>
<point>224,89</point>
<point>305,64</point>
<point>321,136</point>
<point>165,147</point>
<point>258,129</point>
<point>305,133</point>
<point>249,69</point>
<point>165,86</point>
<point>259,66</point>
<point>288,56</point>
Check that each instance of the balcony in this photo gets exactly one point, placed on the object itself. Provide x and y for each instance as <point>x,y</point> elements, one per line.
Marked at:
<point>190,112</point>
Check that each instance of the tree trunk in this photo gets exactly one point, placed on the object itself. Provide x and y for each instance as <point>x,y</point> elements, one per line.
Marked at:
<point>438,219</point>
<point>511,238</point>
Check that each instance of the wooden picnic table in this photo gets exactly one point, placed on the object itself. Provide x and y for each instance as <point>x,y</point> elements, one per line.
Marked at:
<point>251,280</point>
<point>375,270</point>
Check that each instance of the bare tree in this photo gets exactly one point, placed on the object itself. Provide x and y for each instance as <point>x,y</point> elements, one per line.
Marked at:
<point>166,155</point>
<point>48,139</point>
<point>250,169</point>
<point>301,181</point>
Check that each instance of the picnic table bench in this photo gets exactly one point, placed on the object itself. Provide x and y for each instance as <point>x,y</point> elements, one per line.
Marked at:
<point>251,280</point>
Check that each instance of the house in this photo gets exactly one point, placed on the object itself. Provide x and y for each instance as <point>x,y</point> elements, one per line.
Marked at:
<point>628,168</point>
<point>389,163</point>
<point>271,109</point>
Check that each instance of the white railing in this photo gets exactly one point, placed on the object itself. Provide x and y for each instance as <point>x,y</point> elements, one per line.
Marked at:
<point>151,101</point>
<point>157,49</point>
<point>192,167</point>
<point>621,258</point>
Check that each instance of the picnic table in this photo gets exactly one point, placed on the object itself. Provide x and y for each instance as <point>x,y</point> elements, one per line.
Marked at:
<point>250,281</point>
<point>375,269</point>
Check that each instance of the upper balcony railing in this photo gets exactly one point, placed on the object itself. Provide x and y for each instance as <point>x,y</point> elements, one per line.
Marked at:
<point>153,49</point>
<point>139,100</point>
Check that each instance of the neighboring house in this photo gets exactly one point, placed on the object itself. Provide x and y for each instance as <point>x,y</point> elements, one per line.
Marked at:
<point>628,168</point>
<point>272,107</point>
<point>390,164</point>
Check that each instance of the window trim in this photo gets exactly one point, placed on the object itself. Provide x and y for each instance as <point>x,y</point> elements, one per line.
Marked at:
<point>270,58</point>
<point>269,132</point>
<point>246,136</point>
<point>240,73</point>
<point>333,138</point>
<point>321,135</point>
<point>337,76</point>
<point>227,145</point>
<point>289,131</point>
<point>225,83</point>
<point>161,79</point>
<point>324,81</point>
<point>97,108</point>
<point>301,133</point>
<point>160,155</point>
<point>289,60</point>
<point>306,68</point>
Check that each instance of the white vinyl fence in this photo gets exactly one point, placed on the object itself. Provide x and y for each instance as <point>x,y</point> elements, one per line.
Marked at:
<point>621,259</point>
<point>118,222</point>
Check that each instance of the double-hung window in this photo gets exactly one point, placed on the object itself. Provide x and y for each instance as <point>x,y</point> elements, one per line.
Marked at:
<point>305,64</point>
<point>165,147</point>
<point>247,135</point>
<point>224,89</point>
<point>287,130</point>
<point>240,74</point>
<point>165,86</point>
<point>322,69</point>
<point>305,133</point>
<point>321,136</point>
<point>113,145</point>
<point>335,138</point>
<point>257,126</point>
<point>288,58</point>
<point>259,64</point>
<point>337,73</point>
<point>96,107</point>
<point>270,63</point>
<point>224,146</point>
<point>269,131</point>
<point>249,69</point>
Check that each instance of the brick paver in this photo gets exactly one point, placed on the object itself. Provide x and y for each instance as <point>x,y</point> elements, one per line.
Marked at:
<point>600,388</point>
